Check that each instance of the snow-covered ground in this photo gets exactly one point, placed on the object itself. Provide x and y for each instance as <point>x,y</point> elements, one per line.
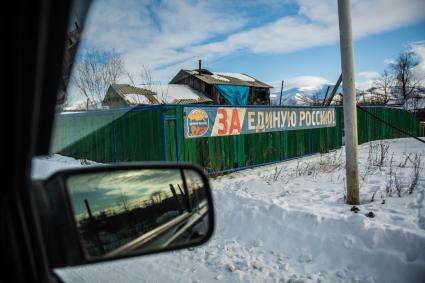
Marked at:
<point>288,223</point>
<point>43,167</point>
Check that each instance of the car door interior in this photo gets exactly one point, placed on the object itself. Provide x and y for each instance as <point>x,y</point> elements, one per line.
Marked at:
<point>30,246</point>
<point>36,35</point>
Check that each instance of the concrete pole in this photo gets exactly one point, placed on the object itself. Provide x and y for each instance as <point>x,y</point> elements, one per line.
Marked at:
<point>350,114</point>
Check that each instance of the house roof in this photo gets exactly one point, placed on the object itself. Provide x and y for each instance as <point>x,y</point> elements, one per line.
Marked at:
<point>135,95</point>
<point>219,78</point>
<point>178,94</point>
<point>192,101</point>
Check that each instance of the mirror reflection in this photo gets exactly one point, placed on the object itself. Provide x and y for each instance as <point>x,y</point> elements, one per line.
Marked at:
<point>118,212</point>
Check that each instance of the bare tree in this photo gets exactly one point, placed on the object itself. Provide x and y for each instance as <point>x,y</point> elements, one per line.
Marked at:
<point>123,201</point>
<point>316,98</point>
<point>382,88</point>
<point>146,78</point>
<point>157,197</point>
<point>405,85</point>
<point>148,83</point>
<point>130,78</point>
<point>313,100</point>
<point>95,72</point>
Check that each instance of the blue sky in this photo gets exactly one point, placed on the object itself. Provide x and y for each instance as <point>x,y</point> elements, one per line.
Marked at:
<point>371,53</point>
<point>293,40</point>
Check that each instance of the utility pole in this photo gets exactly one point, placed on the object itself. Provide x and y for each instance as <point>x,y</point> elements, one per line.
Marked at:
<point>350,114</point>
<point>281,91</point>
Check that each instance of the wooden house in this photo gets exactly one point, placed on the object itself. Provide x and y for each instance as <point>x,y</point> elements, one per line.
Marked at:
<point>222,88</point>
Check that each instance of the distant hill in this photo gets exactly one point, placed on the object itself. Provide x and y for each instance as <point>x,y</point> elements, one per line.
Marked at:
<point>299,96</point>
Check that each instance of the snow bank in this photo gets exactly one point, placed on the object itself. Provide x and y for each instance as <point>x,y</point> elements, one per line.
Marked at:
<point>288,223</point>
<point>43,167</point>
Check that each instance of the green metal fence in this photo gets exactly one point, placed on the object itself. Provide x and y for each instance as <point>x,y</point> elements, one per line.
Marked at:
<point>111,136</point>
<point>370,128</point>
<point>157,133</point>
<point>218,154</point>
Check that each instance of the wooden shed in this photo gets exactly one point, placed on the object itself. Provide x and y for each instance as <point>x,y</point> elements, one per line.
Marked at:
<point>124,95</point>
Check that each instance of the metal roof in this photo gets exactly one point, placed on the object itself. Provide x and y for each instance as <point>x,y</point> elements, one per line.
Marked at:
<point>212,79</point>
<point>192,101</point>
<point>124,89</point>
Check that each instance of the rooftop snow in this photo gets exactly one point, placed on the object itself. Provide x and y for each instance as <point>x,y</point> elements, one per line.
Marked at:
<point>134,98</point>
<point>217,77</point>
<point>169,93</point>
<point>238,76</point>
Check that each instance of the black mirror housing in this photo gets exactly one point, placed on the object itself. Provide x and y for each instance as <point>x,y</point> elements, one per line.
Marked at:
<point>108,212</point>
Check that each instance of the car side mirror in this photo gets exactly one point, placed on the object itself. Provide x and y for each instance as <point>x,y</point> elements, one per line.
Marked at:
<point>108,212</point>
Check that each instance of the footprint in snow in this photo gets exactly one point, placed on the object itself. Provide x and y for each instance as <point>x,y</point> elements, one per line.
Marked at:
<point>375,181</point>
<point>394,211</point>
<point>305,258</point>
<point>397,218</point>
<point>325,196</point>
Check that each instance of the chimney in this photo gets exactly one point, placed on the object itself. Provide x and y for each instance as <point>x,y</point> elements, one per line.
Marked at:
<point>199,66</point>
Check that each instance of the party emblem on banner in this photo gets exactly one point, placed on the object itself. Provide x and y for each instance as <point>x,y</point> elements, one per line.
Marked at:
<point>197,122</point>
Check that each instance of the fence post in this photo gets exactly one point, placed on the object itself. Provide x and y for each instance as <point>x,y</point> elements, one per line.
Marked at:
<point>164,132</point>
<point>367,128</point>
<point>114,142</point>
<point>177,133</point>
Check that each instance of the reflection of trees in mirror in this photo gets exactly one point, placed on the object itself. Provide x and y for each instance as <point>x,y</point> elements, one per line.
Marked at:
<point>109,229</point>
<point>123,201</point>
<point>196,189</point>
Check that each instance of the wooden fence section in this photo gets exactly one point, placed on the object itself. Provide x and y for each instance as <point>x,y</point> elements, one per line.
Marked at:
<point>156,133</point>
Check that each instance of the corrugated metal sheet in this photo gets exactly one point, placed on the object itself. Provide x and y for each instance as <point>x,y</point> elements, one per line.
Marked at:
<point>110,136</point>
<point>210,79</point>
<point>205,100</point>
<point>223,153</point>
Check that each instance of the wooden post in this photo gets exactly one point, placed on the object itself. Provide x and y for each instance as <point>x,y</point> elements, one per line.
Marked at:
<point>281,92</point>
<point>331,96</point>
<point>94,226</point>
<point>326,95</point>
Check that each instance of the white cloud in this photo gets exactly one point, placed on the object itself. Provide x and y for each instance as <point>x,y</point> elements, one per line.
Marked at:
<point>174,34</point>
<point>419,71</point>
<point>366,79</point>
<point>156,35</point>
<point>316,24</point>
<point>389,61</point>
<point>369,75</point>
<point>302,82</point>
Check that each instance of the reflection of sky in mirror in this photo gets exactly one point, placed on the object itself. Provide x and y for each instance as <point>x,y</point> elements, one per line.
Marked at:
<point>105,190</point>
<point>193,179</point>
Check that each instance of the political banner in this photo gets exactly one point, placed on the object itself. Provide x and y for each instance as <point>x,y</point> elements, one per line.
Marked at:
<point>228,121</point>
